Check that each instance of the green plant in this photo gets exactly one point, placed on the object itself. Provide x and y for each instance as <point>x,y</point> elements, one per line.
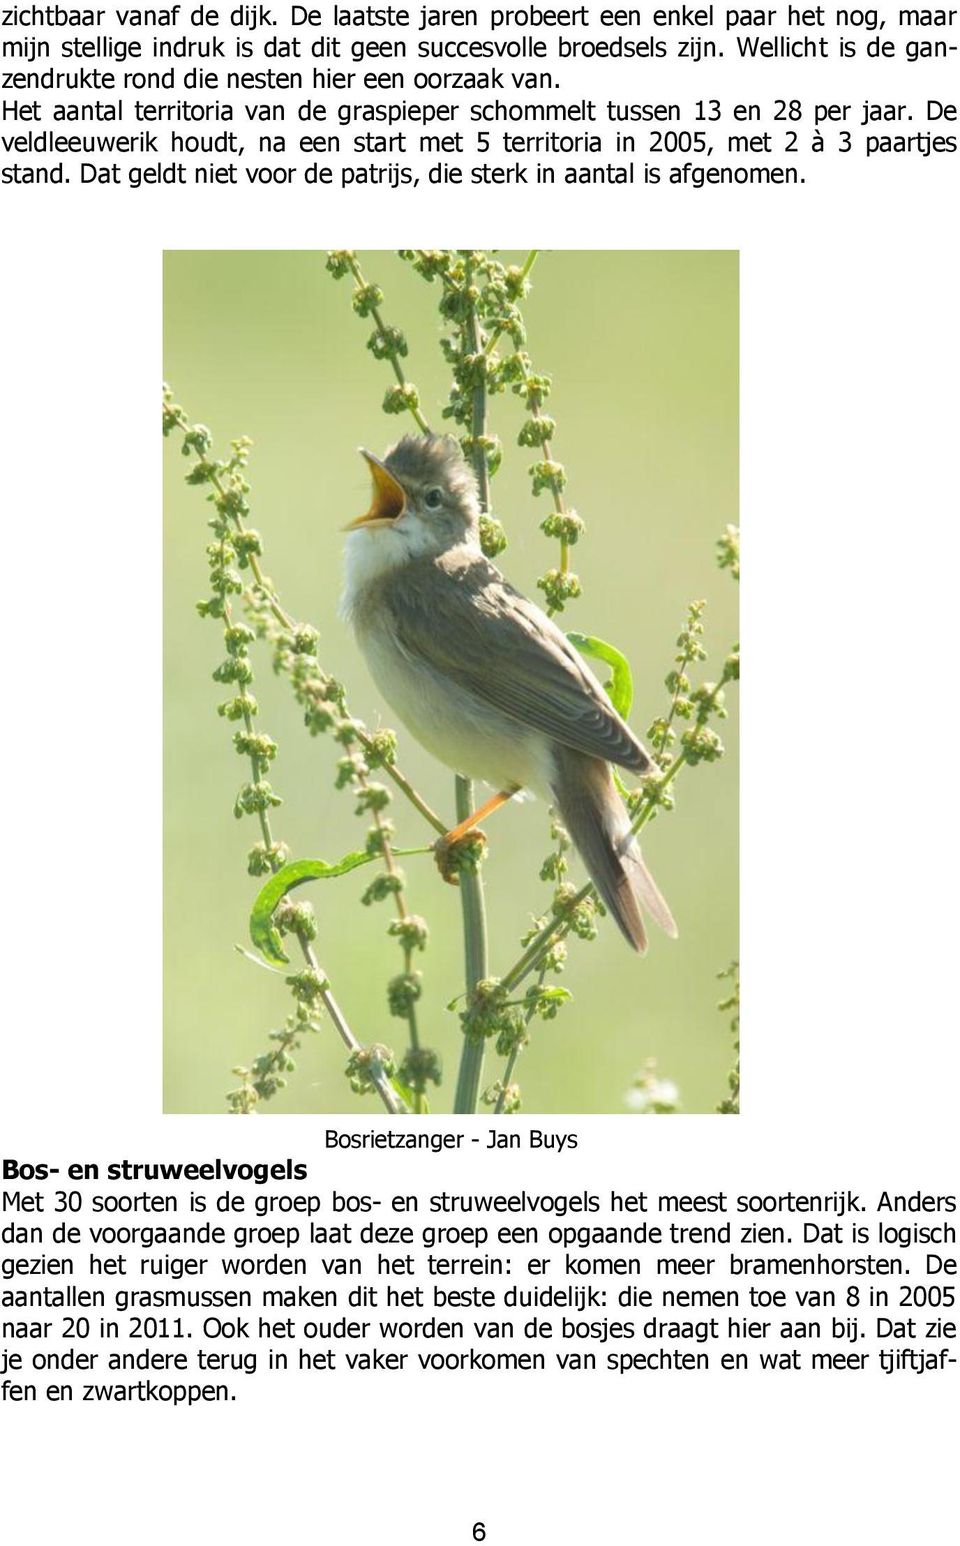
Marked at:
<point>730,1005</point>
<point>484,343</point>
<point>235,547</point>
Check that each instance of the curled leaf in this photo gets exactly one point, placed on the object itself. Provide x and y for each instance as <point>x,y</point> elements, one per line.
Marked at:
<point>263,931</point>
<point>620,688</point>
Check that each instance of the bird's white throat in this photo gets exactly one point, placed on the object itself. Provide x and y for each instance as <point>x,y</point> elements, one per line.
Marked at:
<point>370,554</point>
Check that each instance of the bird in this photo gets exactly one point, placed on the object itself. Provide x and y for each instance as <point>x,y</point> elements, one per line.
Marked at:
<point>482,678</point>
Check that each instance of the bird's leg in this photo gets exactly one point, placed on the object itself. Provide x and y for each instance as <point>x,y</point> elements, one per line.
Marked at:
<point>486,809</point>
<point>466,832</point>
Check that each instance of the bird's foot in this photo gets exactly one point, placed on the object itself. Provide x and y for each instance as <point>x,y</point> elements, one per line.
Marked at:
<point>458,855</point>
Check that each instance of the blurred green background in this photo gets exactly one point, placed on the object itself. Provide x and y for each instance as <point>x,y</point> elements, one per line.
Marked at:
<point>643,351</point>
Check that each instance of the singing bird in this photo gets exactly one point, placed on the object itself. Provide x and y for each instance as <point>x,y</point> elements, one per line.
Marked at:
<point>481,677</point>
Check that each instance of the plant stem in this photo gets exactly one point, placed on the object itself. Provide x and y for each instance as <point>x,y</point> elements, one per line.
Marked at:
<point>475,963</point>
<point>497,333</point>
<point>511,1063</point>
<point>403,912</point>
<point>471,882</point>
<point>556,492</point>
<point>505,1079</point>
<point>391,353</point>
<point>478,407</point>
<point>258,766</point>
<point>406,788</point>
<point>379,1079</point>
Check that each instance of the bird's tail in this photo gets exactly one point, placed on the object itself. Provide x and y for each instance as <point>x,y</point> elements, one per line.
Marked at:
<point>594,815</point>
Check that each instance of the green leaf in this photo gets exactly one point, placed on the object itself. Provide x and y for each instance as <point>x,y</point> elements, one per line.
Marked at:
<point>264,934</point>
<point>620,688</point>
<point>409,1097</point>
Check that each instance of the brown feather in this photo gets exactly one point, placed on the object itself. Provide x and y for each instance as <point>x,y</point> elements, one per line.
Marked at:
<point>594,817</point>
<point>457,614</point>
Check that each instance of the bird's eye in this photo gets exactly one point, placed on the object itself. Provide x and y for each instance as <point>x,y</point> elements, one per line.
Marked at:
<point>433,498</point>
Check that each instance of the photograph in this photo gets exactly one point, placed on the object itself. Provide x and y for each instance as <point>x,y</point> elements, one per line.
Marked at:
<point>451,671</point>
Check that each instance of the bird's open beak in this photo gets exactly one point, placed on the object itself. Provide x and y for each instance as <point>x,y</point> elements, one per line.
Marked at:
<point>389,499</point>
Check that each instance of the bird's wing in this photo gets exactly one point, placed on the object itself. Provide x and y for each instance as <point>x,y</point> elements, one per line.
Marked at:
<point>469,625</point>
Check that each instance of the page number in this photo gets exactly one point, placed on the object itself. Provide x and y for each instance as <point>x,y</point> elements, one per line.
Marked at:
<point>480,1531</point>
